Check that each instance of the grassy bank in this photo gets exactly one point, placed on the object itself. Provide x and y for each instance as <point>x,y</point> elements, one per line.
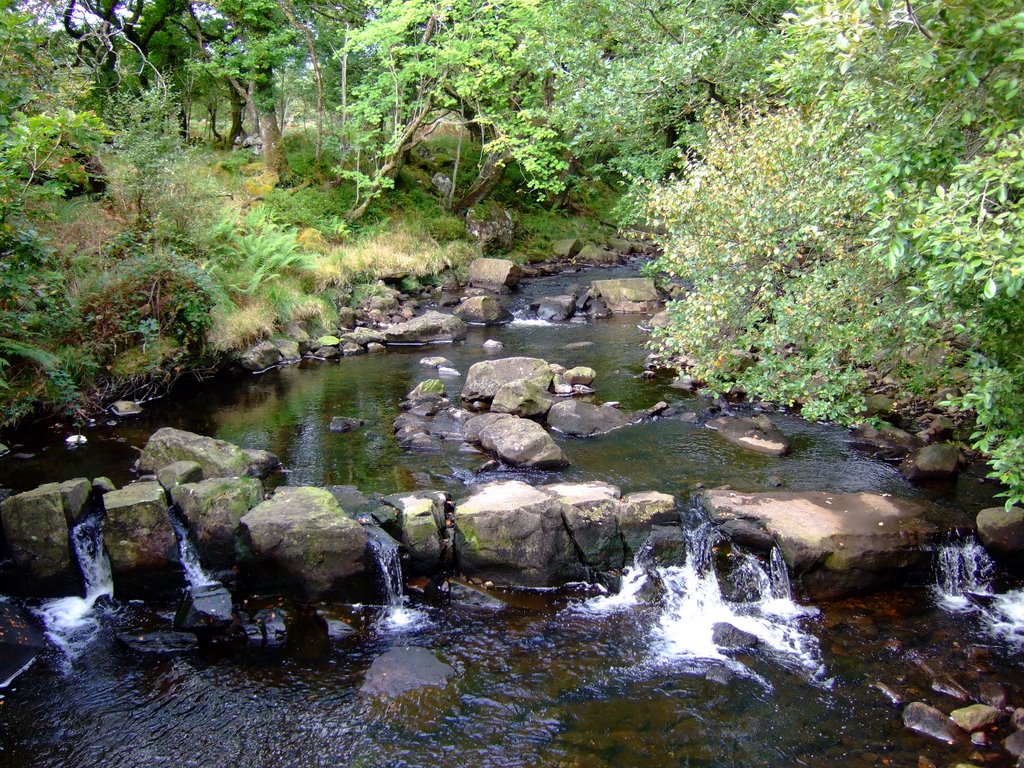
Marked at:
<point>189,255</point>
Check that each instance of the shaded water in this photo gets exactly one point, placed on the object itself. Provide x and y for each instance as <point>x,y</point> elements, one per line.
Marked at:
<point>625,680</point>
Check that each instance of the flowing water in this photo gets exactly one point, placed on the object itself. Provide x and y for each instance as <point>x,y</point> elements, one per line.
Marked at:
<point>634,678</point>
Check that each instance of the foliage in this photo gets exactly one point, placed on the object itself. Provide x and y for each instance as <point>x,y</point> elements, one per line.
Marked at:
<point>766,231</point>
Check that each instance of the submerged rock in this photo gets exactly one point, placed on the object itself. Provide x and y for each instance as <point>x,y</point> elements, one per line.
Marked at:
<point>21,640</point>
<point>755,433</point>
<point>159,643</point>
<point>401,670</point>
<point>836,544</point>
<point>303,534</point>
<point>930,721</point>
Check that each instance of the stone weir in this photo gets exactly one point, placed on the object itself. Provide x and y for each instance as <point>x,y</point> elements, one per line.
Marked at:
<point>314,541</point>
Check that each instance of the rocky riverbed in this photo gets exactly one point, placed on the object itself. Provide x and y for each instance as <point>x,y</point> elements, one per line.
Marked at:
<point>571,533</point>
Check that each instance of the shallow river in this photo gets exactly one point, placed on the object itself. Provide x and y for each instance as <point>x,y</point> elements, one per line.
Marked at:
<point>557,680</point>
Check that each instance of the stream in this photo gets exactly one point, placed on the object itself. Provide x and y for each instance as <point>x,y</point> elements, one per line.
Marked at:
<point>555,678</point>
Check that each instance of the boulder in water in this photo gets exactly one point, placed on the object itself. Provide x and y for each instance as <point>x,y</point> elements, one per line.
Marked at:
<point>344,424</point>
<point>522,443</point>
<point>260,356</point>
<point>510,533</point>
<point>302,534</point>
<point>480,310</point>
<point>1001,530</point>
<point>422,523</point>
<point>213,508</point>
<point>217,457</point>
<point>21,640</point>
<point>640,512</point>
<point>930,721</point>
<point>522,398</point>
<point>205,608</point>
<point>402,670</point>
<point>137,531</point>
<point>977,717</point>
<point>36,525</point>
<point>933,462</point>
<point>634,295</point>
<point>124,408</point>
<point>474,426</point>
<point>579,419</point>
<point>755,433</point>
<point>556,308</point>
<point>591,516</point>
<point>484,379</point>
<point>179,472</point>
<point>426,329</point>
<point>731,638</point>
<point>837,544</point>
<point>497,275</point>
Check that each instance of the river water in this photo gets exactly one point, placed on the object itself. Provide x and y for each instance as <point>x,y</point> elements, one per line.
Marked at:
<point>558,679</point>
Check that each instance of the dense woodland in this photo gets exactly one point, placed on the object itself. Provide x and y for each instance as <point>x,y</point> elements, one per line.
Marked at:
<point>838,185</point>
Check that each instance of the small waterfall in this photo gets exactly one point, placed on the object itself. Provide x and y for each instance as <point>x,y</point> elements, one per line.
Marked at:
<point>195,574</point>
<point>695,603</point>
<point>71,622</point>
<point>962,568</point>
<point>385,552</point>
<point>87,542</point>
<point>778,573</point>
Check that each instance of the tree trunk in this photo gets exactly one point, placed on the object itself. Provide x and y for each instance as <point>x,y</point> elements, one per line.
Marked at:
<point>237,130</point>
<point>559,200</point>
<point>317,77</point>
<point>273,147</point>
<point>393,163</point>
<point>487,179</point>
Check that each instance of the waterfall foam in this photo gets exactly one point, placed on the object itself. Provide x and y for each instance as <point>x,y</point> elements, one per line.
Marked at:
<point>71,622</point>
<point>694,604</point>
<point>385,551</point>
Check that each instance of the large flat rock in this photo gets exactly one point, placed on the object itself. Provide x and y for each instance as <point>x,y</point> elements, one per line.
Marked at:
<point>835,544</point>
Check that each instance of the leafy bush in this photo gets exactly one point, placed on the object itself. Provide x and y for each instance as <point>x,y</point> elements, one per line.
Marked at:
<point>767,230</point>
